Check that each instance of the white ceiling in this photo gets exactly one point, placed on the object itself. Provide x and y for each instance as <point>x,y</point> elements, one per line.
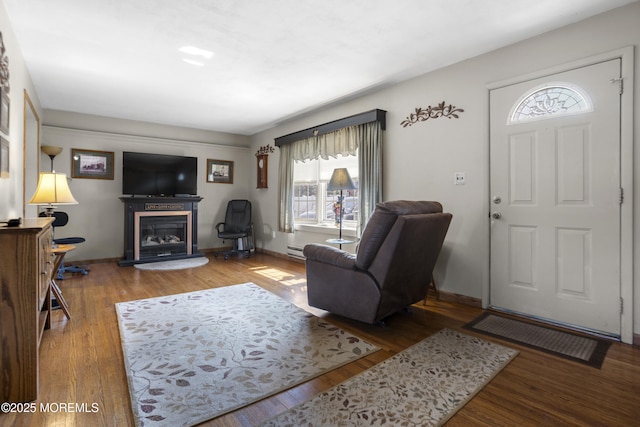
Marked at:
<point>273,59</point>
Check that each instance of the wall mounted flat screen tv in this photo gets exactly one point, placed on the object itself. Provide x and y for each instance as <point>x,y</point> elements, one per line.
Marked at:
<point>146,174</point>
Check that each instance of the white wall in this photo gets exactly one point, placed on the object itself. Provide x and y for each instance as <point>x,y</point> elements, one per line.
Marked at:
<point>99,214</point>
<point>420,161</point>
<point>11,193</point>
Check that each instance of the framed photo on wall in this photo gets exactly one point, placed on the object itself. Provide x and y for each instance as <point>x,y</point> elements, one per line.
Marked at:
<point>220,171</point>
<point>4,157</point>
<point>4,112</point>
<point>92,164</point>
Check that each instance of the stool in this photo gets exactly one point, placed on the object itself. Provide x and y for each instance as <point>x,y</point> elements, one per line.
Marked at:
<point>70,268</point>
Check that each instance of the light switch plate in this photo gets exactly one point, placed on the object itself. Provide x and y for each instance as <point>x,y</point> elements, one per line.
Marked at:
<point>458,178</point>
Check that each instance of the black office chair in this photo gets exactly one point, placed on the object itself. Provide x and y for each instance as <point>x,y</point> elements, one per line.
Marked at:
<point>237,225</point>
<point>60,220</point>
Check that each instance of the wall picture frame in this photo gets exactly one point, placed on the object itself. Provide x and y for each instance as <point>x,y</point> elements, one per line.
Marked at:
<point>220,171</point>
<point>5,105</point>
<point>91,164</point>
<point>4,157</point>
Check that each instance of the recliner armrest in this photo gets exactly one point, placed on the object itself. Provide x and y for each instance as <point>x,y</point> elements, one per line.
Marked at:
<point>329,255</point>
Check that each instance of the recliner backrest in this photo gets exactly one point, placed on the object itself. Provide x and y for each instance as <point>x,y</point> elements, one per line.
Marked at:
<point>404,264</point>
<point>399,248</point>
<point>380,223</point>
<point>411,249</point>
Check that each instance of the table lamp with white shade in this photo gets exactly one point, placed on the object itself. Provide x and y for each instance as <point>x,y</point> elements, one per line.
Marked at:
<point>52,190</point>
<point>52,187</point>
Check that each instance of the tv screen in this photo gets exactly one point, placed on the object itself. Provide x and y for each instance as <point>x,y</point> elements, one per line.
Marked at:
<point>146,174</point>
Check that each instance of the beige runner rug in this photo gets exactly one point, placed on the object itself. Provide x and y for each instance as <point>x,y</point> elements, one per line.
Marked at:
<point>195,356</point>
<point>423,385</point>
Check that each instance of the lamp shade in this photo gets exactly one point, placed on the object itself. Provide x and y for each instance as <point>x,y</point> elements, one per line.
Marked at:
<point>52,190</point>
<point>51,150</point>
<point>340,180</point>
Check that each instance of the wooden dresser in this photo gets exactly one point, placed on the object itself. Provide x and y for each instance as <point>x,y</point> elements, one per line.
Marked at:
<point>26,261</point>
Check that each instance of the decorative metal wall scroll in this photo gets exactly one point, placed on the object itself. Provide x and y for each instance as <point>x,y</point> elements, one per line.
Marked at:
<point>266,149</point>
<point>424,114</point>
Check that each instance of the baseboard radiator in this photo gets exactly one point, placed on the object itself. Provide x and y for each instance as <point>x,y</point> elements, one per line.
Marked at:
<point>295,252</point>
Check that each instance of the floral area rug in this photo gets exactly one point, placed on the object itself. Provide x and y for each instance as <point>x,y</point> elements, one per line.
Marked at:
<point>192,357</point>
<point>423,385</point>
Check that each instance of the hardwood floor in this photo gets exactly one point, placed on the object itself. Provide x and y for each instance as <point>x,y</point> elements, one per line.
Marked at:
<point>81,358</point>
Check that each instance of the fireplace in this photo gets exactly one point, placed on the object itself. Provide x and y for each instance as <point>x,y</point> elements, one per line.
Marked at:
<point>160,235</point>
<point>159,229</point>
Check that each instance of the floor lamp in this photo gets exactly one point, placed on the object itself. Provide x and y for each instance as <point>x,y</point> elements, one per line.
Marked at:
<point>341,180</point>
<point>52,152</point>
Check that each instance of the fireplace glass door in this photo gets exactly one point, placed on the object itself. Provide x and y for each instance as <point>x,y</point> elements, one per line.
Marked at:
<point>163,235</point>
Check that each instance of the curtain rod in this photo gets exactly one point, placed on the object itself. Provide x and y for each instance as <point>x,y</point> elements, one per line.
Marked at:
<point>356,119</point>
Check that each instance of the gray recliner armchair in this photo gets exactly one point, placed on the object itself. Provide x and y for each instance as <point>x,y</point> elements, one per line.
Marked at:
<point>392,267</point>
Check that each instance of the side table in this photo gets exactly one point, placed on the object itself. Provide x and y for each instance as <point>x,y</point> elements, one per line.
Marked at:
<point>340,242</point>
<point>60,251</point>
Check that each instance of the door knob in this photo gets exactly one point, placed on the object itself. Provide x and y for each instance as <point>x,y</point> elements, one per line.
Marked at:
<point>497,200</point>
<point>496,215</point>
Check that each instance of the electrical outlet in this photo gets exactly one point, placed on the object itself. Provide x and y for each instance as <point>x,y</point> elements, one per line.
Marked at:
<point>458,178</point>
<point>273,234</point>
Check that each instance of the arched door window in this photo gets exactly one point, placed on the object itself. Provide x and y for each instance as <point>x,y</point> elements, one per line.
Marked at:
<point>549,101</point>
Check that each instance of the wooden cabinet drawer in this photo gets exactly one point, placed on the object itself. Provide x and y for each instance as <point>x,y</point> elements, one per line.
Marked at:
<point>45,262</point>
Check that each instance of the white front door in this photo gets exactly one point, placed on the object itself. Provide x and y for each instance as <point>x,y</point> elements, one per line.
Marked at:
<point>555,197</point>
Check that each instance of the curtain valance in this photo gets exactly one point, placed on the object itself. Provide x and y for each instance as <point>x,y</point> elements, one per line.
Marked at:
<point>376,115</point>
<point>343,142</point>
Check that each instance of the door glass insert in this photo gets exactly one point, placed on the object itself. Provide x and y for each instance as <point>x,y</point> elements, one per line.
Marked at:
<point>549,101</point>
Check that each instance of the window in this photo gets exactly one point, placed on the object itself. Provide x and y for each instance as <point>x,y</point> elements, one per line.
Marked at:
<point>313,203</point>
<point>550,101</point>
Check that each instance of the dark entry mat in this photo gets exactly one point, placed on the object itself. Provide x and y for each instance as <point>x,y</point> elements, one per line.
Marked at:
<point>579,348</point>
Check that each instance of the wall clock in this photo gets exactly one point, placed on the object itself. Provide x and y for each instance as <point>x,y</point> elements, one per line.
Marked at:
<point>262,170</point>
